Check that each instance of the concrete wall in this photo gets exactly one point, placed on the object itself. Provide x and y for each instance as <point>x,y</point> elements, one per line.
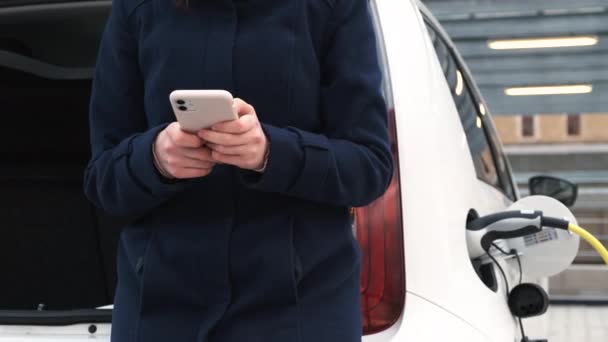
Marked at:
<point>581,280</point>
<point>595,127</point>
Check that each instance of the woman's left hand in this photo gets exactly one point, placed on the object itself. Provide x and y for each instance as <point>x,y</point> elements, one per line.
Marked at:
<point>239,142</point>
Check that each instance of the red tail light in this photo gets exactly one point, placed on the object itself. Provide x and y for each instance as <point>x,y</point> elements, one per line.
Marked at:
<point>378,228</point>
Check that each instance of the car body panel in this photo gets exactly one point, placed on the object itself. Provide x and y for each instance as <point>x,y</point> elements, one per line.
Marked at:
<point>432,322</point>
<point>71,333</point>
<point>439,181</point>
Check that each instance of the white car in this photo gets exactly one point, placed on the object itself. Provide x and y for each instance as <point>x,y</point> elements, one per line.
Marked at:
<point>418,282</point>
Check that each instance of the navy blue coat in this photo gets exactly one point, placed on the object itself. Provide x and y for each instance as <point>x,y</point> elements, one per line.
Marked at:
<point>238,256</point>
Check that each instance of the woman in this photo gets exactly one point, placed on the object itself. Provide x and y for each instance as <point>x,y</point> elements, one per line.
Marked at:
<point>240,232</point>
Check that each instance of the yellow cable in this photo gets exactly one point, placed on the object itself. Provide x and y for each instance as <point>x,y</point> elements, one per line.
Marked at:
<point>595,243</point>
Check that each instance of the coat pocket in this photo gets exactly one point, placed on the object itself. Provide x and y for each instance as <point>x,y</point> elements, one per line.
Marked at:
<point>140,269</point>
<point>134,247</point>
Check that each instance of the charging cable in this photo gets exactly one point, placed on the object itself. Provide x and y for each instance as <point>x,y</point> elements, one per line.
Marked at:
<point>515,253</point>
<point>592,240</point>
<point>485,230</point>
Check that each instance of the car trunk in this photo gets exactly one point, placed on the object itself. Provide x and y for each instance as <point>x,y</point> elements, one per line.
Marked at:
<point>57,252</point>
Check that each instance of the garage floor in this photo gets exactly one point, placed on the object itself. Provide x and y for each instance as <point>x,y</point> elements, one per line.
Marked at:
<point>575,323</point>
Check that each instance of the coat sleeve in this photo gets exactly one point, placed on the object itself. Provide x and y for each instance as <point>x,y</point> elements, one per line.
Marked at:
<point>349,163</point>
<point>121,177</point>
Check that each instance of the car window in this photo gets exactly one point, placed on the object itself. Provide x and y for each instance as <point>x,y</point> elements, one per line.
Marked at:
<point>504,171</point>
<point>483,142</point>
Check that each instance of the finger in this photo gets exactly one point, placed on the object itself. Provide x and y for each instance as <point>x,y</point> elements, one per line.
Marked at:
<point>203,154</point>
<point>221,138</point>
<point>238,126</point>
<point>242,108</point>
<point>181,138</point>
<point>185,173</point>
<point>227,159</point>
<point>233,150</point>
<point>242,161</point>
<point>175,163</point>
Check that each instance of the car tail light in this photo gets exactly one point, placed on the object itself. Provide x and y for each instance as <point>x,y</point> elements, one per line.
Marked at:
<point>378,228</point>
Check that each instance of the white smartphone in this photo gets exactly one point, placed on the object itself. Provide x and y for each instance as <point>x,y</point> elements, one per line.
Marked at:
<point>199,109</point>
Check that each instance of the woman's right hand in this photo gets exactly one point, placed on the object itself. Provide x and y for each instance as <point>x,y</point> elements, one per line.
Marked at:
<point>181,155</point>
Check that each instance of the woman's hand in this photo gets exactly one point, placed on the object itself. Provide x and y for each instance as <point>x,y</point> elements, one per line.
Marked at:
<point>179,154</point>
<point>240,142</point>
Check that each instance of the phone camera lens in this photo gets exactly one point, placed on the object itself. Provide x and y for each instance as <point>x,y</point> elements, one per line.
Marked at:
<point>184,108</point>
<point>181,102</point>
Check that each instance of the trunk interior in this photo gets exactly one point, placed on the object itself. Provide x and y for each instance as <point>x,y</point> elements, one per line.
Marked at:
<point>57,251</point>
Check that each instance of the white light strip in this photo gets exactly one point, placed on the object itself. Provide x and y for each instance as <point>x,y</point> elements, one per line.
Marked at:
<point>550,90</point>
<point>543,43</point>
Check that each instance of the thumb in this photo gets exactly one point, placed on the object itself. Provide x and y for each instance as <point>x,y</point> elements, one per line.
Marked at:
<point>242,108</point>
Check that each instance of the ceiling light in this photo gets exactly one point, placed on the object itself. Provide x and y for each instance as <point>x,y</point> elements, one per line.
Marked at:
<point>542,43</point>
<point>550,90</point>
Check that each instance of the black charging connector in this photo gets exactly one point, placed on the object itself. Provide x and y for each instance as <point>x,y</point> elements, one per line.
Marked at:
<point>525,339</point>
<point>553,222</point>
<point>528,300</point>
